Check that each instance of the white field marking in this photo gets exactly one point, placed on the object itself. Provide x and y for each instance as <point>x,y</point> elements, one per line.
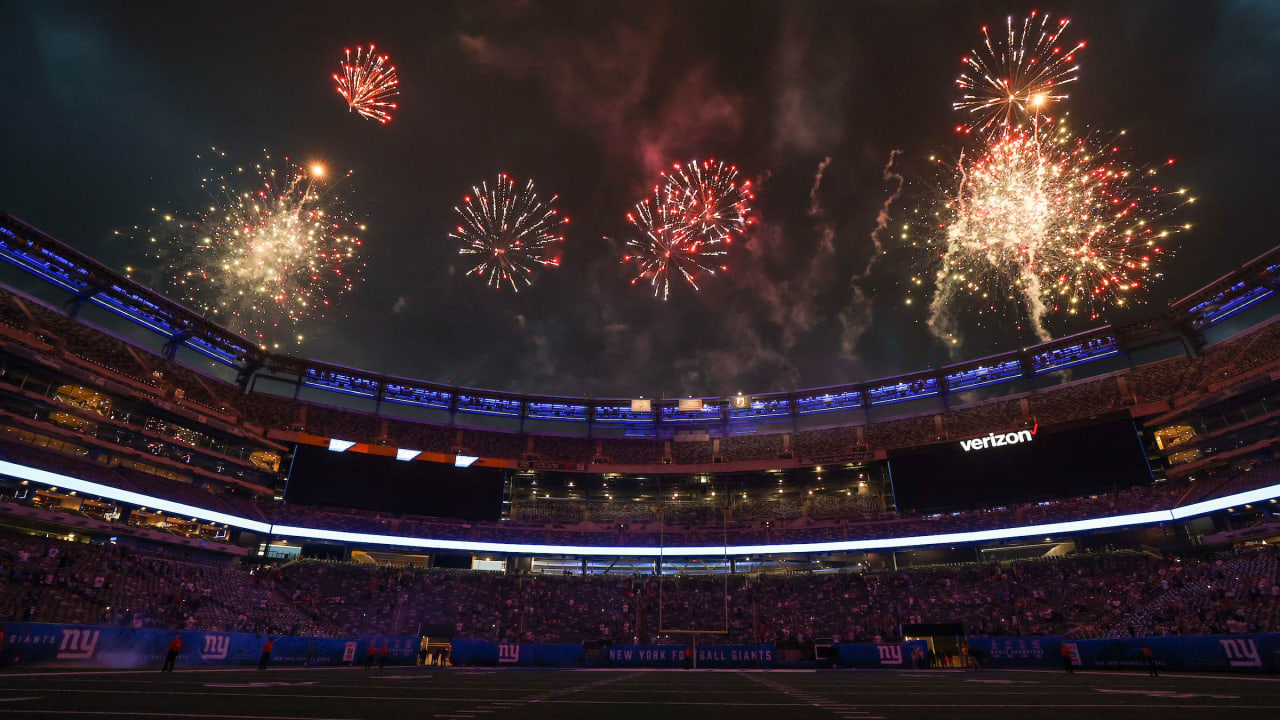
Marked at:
<point>1163,707</point>
<point>19,699</point>
<point>159,691</point>
<point>131,713</point>
<point>1167,694</point>
<point>259,684</point>
<point>109,671</point>
<point>1143,674</point>
<point>197,693</point>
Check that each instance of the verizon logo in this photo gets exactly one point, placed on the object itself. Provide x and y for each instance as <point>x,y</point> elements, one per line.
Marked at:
<point>994,440</point>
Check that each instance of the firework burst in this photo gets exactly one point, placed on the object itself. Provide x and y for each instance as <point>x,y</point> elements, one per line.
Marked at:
<point>706,198</point>
<point>510,231</point>
<point>669,244</point>
<point>368,84</point>
<point>1015,79</point>
<point>273,248</point>
<point>1055,222</point>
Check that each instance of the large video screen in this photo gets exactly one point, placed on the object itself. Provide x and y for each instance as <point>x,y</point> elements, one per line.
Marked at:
<point>372,482</point>
<point>1026,468</point>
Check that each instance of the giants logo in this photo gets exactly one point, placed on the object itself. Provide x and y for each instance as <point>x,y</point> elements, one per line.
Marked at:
<point>508,653</point>
<point>994,440</point>
<point>78,644</point>
<point>890,654</point>
<point>1241,652</point>
<point>215,647</point>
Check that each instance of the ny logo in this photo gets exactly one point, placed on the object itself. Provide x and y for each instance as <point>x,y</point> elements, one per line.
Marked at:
<point>890,654</point>
<point>78,644</point>
<point>1241,652</point>
<point>215,647</point>
<point>508,652</point>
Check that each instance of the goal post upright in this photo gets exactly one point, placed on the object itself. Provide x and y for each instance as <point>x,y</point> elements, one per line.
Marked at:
<point>727,565</point>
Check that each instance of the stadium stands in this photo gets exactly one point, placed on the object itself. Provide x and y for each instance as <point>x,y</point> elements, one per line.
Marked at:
<point>79,400</point>
<point>1103,595</point>
<point>154,377</point>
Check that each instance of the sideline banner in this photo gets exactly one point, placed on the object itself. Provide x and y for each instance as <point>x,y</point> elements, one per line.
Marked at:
<point>401,649</point>
<point>485,652</point>
<point>1220,653</point>
<point>117,647</point>
<point>646,655</point>
<point>735,656</point>
<point>884,655</point>
<point>1234,653</point>
<point>1017,652</point>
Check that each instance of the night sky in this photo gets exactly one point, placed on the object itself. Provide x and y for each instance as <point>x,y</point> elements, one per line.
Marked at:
<point>107,105</point>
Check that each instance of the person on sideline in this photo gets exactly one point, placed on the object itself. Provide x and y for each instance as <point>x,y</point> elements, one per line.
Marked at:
<point>266,654</point>
<point>171,657</point>
<point>1066,658</point>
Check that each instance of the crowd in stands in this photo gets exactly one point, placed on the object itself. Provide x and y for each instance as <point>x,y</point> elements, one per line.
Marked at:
<point>633,451</point>
<point>1158,379</point>
<point>332,422</point>
<point>1084,400</point>
<point>987,417</point>
<point>1080,596</point>
<point>1076,595</point>
<point>751,447</point>
<point>691,453</point>
<point>1235,356</point>
<point>824,443</point>
<point>49,580</point>
<point>563,449</point>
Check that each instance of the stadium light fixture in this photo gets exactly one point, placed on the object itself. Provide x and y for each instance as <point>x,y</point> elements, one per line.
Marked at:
<point>336,445</point>
<point>464,460</point>
<point>407,455</point>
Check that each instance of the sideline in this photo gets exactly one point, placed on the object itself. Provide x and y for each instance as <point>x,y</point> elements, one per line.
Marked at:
<point>1125,673</point>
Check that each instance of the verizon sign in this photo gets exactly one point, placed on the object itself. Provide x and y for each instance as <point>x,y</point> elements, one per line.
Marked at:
<point>996,440</point>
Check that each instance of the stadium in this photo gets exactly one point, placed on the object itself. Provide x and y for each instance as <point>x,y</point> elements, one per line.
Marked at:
<point>202,515</point>
<point>641,527</point>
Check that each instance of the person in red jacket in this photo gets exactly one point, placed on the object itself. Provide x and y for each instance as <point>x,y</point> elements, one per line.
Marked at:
<point>369,655</point>
<point>171,657</point>
<point>1066,658</point>
<point>382,656</point>
<point>266,654</point>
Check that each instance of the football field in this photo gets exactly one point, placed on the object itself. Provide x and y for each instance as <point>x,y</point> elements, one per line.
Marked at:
<point>458,693</point>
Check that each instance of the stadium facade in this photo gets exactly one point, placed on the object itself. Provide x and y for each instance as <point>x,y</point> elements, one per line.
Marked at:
<point>127,414</point>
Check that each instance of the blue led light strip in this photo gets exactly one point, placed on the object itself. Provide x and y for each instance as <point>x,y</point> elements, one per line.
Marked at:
<point>44,477</point>
<point>52,479</point>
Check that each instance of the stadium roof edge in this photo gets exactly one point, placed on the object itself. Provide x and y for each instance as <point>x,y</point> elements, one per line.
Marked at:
<point>185,326</point>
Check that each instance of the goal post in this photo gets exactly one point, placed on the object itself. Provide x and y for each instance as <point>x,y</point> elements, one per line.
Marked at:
<point>722,627</point>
